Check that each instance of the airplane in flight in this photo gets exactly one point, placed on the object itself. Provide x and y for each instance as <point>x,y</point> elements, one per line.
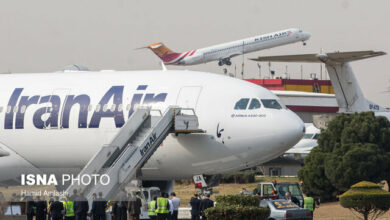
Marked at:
<point>55,123</point>
<point>223,52</point>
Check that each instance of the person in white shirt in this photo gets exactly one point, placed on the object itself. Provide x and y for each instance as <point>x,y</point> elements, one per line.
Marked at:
<point>175,205</point>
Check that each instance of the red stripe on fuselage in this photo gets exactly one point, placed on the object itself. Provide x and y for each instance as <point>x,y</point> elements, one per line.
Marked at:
<point>192,53</point>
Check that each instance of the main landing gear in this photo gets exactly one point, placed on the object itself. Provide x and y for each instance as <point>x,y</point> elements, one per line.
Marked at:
<point>226,61</point>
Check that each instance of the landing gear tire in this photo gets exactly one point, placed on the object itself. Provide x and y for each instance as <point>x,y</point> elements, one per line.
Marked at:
<point>304,43</point>
<point>228,63</point>
<point>220,63</point>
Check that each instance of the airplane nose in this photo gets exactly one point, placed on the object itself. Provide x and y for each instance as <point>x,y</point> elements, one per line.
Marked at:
<point>306,35</point>
<point>293,130</point>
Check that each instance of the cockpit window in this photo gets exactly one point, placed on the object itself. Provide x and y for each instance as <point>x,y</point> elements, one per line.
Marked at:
<point>316,136</point>
<point>271,103</point>
<point>307,136</point>
<point>255,104</point>
<point>241,104</point>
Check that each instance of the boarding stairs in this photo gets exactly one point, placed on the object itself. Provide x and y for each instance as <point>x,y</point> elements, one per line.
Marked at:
<point>123,158</point>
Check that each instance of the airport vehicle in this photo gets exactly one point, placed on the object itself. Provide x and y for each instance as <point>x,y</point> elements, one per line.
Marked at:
<point>55,123</point>
<point>283,209</point>
<point>293,188</point>
<point>267,189</point>
<point>223,52</point>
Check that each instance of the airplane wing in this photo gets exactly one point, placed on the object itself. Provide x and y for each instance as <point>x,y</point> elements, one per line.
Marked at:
<point>3,153</point>
<point>306,150</point>
<point>320,58</point>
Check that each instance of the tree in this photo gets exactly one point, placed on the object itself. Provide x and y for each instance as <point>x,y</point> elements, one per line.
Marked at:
<point>353,148</point>
<point>367,199</point>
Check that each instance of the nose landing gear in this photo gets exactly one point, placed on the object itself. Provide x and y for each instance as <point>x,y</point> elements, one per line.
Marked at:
<point>304,43</point>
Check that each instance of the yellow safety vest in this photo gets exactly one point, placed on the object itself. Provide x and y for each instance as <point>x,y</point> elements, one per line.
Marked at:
<point>152,208</point>
<point>162,205</point>
<point>309,203</point>
<point>69,209</point>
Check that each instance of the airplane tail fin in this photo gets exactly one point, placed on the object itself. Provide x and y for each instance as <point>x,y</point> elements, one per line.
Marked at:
<point>164,53</point>
<point>348,93</point>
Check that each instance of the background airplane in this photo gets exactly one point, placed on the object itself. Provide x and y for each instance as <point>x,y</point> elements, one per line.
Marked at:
<point>223,52</point>
<point>348,94</point>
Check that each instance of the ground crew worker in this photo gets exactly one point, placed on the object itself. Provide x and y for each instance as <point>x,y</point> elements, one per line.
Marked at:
<point>69,209</point>
<point>162,207</point>
<point>309,204</point>
<point>99,208</point>
<point>30,208</point>
<point>41,209</point>
<point>56,209</point>
<point>152,209</point>
<point>195,207</point>
<point>205,204</point>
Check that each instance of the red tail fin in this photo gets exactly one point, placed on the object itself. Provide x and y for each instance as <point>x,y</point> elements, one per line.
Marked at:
<point>165,54</point>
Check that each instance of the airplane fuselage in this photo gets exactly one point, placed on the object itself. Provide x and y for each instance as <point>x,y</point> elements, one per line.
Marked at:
<point>58,121</point>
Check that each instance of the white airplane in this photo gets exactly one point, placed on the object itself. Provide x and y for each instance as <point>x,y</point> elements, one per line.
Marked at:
<point>348,94</point>
<point>308,142</point>
<point>223,52</point>
<point>57,122</point>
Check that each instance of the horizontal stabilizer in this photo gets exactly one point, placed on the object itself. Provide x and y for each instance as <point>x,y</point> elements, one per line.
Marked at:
<point>339,57</point>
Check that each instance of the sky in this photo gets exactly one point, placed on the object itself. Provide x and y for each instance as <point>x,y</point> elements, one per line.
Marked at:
<point>46,35</point>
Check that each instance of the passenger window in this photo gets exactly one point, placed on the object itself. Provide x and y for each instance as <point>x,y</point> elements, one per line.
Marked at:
<point>23,109</point>
<point>271,103</point>
<point>113,108</point>
<point>89,108</point>
<point>8,109</point>
<point>120,107</point>
<point>15,109</point>
<point>127,107</point>
<point>241,104</point>
<point>105,107</point>
<point>97,108</point>
<point>255,104</point>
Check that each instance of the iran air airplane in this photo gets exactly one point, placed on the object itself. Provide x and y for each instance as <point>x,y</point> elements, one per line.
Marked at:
<point>223,52</point>
<point>58,121</point>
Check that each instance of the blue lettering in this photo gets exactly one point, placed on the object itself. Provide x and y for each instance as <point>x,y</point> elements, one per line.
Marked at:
<point>52,120</point>
<point>83,101</point>
<point>115,92</point>
<point>9,116</point>
<point>24,102</point>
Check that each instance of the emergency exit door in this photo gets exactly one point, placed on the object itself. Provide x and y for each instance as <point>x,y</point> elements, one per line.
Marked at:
<point>188,97</point>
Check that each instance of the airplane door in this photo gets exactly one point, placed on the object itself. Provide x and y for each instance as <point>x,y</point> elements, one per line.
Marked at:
<point>188,96</point>
<point>62,94</point>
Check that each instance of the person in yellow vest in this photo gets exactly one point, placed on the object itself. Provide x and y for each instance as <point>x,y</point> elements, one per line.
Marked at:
<point>152,209</point>
<point>162,207</point>
<point>309,204</point>
<point>69,209</point>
